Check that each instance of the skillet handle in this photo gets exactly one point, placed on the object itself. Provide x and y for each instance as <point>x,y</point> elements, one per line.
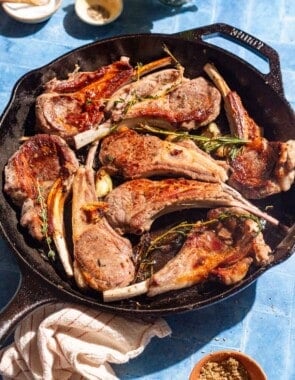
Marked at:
<point>29,295</point>
<point>251,43</point>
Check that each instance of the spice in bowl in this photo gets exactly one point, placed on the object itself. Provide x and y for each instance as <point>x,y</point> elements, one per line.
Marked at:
<point>98,12</point>
<point>227,369</point>
<point>227,365</point>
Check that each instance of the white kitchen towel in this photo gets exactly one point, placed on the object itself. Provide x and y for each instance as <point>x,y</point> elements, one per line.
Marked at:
<point>69,342</point>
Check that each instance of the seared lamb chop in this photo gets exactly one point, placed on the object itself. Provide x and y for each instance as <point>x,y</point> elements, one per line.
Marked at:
<point>224,249</point>
<point>150,86</point>
<point>263,167</point>
<point>76,104</point>
<point>31,172</point>
<point>103,259</point>
<point>134,205</point>
<point>220,248</point>
<point>193,103</point>
<point>132,155</point>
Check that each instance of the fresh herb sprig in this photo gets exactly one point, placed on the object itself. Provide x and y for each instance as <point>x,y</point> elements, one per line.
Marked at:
<point>231,145</point>
<point>181,230</point>
<point>44,222</point>
<point>261,223</point>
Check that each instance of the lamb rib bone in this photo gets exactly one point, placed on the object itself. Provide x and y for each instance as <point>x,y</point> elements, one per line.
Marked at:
<point>87,137</point>
<point>241,124</point>
<point>55,209</point>
<point>130,291</point>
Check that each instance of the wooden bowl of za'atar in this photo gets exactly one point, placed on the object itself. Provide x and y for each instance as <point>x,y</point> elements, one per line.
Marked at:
<point>227,364</point>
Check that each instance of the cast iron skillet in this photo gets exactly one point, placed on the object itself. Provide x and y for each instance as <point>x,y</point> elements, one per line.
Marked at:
<point>262,95</point>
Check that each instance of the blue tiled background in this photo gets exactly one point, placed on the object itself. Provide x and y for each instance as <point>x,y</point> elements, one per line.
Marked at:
<point>260,320</point>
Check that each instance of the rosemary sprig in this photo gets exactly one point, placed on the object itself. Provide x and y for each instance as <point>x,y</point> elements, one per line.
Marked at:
<point>44,222</point>
<point>230,144</point>
<point>182,230</point>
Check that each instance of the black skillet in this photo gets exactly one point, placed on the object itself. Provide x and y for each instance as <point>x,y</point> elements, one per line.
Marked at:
<point>262,95</point>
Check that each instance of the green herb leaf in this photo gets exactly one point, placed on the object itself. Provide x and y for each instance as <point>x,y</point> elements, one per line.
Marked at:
<point>181,230</point>
<point>231,144</point>
<point>44,221</point>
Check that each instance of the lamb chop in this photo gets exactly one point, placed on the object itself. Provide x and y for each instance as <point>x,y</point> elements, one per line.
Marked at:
<point>191,104</point>
<point>211,250</point>
<point>132,155</point>
<point>263,167</point>
<point>102,258</point>
<point>31,172</point>
<point>222,248</point>
<point>73,105</point>
<point>151,86</point>
<point>133,206</point>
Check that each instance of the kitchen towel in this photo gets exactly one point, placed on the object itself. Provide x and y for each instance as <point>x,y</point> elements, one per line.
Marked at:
<point>69,342</point>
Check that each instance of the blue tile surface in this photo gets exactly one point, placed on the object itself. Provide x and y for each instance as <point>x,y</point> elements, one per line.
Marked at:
<point>260,320</point>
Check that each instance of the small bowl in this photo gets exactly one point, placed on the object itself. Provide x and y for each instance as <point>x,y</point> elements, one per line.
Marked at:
<point>98,12</point>
<point>31,14</point>
<point>255,372</point>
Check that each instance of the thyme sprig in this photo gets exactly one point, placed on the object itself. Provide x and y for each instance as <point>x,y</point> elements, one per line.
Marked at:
<point>230,144</point>
<point>261,223</point>
<point>44,222</point>
<point>182,230</point>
